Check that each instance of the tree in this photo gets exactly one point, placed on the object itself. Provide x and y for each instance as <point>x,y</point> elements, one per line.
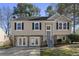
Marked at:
<point>8,14</point>
<point>5,13</point>
<point>49,10</point>
<point>61,7</point>
<point>1,19</point>
<point>26,9</point>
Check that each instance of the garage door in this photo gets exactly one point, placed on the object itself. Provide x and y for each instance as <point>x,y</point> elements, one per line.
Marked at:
<point>22,41</point>
<point>34,41</point>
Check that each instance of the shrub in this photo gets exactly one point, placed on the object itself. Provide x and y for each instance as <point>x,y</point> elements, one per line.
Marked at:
<point>59,41</point>
<point>73,37</point>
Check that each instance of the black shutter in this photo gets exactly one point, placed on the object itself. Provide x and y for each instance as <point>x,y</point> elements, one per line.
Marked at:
<point>32,26</point>
<point>57,25</point>
<point>68,25</point>
<point>22,26</point>
<point>40,26</point>
<point>15,26</point>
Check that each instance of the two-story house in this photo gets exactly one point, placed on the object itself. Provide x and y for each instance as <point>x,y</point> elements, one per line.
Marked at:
<point>39,30</point>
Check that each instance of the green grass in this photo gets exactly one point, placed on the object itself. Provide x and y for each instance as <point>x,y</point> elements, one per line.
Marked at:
<point>65,51</point>
<point>56,52</point>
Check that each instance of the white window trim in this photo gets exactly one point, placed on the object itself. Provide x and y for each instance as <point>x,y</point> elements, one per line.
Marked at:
<point>34,38</point>
<point>16,26</point>
<point>22,41</point>
<point>38,25</point>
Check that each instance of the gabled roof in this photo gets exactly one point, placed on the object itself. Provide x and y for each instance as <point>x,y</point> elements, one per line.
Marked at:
<point>55,16</point>
<point>64,17</point>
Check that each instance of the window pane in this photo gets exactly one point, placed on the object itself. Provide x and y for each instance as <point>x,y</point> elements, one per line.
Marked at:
<point>64,26</point>
<point>36,41</point>
<point>60,25</point>
<point>18,26</point>
<point>23,41</point>
<point>36,26</point>
<point>48,27</point>
<point>20,41</point>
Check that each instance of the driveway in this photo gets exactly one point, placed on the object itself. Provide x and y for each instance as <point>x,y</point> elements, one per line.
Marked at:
<point>20,51</point>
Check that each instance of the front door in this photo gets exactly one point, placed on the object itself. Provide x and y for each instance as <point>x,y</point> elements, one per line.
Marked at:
<point>34,41</point>
<point>22,41</point>
<point>49,35</point>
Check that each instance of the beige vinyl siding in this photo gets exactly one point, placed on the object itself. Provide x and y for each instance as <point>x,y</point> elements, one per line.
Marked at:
<point>28,28</point>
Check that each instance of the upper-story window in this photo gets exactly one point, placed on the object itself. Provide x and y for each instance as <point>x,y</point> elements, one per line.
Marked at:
<point>62,25</point>
<point>48,27</point>
<point>19,26</point>
<point>36,26</point>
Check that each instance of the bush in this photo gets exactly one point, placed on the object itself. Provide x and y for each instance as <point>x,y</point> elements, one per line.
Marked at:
<point>59,41</point>
<point>73,37</point>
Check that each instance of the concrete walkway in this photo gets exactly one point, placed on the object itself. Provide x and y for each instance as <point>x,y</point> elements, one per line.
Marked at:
<point>20,51</point>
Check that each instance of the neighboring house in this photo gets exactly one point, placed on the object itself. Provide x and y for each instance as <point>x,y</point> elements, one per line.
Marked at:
<point>4,39</point>
<point>40,30</point>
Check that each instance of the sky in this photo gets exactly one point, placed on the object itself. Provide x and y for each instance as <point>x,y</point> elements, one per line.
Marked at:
<point>42,6</point>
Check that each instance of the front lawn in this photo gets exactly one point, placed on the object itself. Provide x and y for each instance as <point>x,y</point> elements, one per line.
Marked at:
<point>67,50</point>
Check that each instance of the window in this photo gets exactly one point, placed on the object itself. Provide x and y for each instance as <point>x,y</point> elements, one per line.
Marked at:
<point>48,27</point>
<point>19,26</point>
<point>36,26</point>
<point>64,25</point>
<point>60,25</point>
